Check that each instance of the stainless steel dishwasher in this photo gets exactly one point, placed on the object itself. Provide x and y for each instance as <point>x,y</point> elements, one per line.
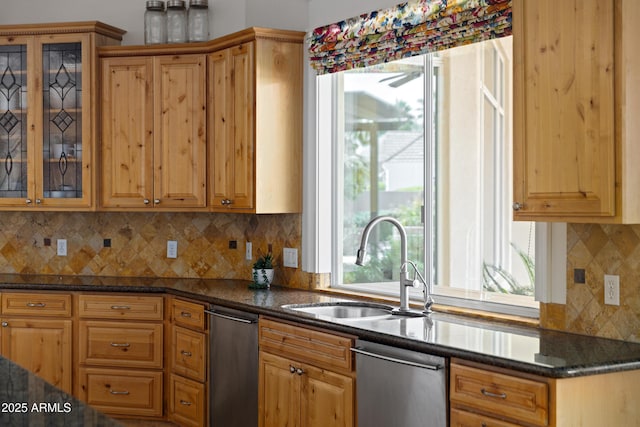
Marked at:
<point>233,368</point>
<point>397,387</point>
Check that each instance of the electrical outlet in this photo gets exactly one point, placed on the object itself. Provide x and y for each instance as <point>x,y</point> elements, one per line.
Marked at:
<point>290,257</point>
<point>172,249</point>
<point>62,247</point>
<point>611,289</point>
<point>248,255</point>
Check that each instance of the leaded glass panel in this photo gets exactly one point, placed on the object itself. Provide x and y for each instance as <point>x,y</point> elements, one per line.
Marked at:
<point>62,133</point>
<point>13,121</point>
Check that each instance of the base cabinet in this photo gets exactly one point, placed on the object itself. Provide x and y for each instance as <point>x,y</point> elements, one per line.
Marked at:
<point>188,364</point>
<point>300,387</point>
<point>120,350</point>
<point>37,334</point>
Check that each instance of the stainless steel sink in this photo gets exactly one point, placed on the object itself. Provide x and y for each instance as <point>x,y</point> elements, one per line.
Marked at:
<point>346,310</point>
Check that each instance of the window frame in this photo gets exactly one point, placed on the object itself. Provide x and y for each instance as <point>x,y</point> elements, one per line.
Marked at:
<point>319,235</point>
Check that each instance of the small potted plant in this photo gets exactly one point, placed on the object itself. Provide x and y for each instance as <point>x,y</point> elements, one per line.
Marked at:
<point>263,272</point>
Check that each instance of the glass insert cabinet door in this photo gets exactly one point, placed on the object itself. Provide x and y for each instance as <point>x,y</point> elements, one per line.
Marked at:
<point>42,123</point>
<point>13,121</point>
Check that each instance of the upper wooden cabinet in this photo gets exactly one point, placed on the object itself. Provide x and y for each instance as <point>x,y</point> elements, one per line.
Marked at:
<point>255,126</point>
<point>576,91</point>
<point>47,113</point>
<point>153,132</point>
<point>213,126</point>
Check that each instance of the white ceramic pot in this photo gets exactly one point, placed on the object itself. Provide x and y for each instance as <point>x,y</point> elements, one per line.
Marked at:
<point>263,276</point>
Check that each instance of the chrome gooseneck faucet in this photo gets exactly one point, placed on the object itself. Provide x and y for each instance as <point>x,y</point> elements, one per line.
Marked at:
<point>405,281</point>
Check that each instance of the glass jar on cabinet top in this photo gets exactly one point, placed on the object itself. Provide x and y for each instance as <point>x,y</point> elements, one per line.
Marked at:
<point>198,20</point>
<point>176,21</point>
<point>155,23</point>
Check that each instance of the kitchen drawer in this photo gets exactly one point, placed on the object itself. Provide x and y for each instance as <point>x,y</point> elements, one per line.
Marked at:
<point>122,392</point>
<point>187,401</point>
<point>189,353</point>
<point>121,307</point>
<point>36,304</point>
<point>321,349</point>
<point>460,418</point>
<point>123,344</point>
<point>188,314</point>
<point>513,397</point>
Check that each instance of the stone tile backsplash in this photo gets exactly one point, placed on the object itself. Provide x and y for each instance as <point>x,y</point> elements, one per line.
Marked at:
<point>600,250</point>
<point>139,244</point>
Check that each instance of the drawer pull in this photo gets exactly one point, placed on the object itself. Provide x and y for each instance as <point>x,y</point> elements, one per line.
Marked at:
<point>292,369</point>
<point>120,307</point>
<point>121,393</point>
<point>124,344</point>
<point>185,314</point>
<point>185,353</point>
<point>494,395</point>
<point>36,304</point>
<point>185,403</point>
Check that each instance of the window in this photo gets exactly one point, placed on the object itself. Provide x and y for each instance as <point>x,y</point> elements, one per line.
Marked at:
<point>427,140</point>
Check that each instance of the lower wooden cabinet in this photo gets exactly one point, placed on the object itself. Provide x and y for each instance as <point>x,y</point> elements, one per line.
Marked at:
<point>187,401</point>
<point>37,334</point>
<point>135,393</point>
<point>188,365</point>
<point>305,377</point>
<point>460,418</point>
<point>43,346</point>
<point>294,393</point>
<point>121,354</point>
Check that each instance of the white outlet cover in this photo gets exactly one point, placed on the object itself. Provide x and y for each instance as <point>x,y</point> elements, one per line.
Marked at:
<point>611,289</point>
<point>172,249</point>
<point>62,247</point>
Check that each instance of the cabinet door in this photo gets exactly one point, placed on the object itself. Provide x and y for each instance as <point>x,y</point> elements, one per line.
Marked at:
<point>232,122</point>
<point>65,136</point>
<point>41,346</point>
<point>327,398</point>
<point>180,143</point>
<point>17,180</point>
<point>564,133</point>
<point>279,392</point>
<point>127,132</point>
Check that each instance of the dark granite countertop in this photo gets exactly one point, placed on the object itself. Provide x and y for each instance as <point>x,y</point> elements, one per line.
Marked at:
<point>26,400</point>
<point>532,350</point>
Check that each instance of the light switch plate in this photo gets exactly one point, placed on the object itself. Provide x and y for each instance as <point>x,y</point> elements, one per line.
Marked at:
<point>290,257</point>
<point>248,255</point>
<point>172,249</point>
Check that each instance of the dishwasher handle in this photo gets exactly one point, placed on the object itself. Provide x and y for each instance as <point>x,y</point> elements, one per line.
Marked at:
<point>396,360</point>
<point>233,318</point>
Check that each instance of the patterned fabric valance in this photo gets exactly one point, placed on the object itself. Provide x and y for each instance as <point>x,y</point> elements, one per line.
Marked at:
<point>411,28</point>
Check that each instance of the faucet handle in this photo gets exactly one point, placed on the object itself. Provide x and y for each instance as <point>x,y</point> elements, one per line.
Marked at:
<point>416,283</point>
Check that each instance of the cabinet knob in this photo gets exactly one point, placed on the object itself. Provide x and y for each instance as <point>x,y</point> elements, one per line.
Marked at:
<point>299,371</point>
<point>146,201</point>
<point>38,201</point>
<point>185,403</point>
<point>226,202</point>
<point>28,201</point>
<point>185,353</point>
<point>5,324</point>
<point>291,368</point>
<point>517,206</point>
<point>156,201</point>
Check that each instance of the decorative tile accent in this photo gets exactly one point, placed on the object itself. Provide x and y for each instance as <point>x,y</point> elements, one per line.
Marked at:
<point>139,244</point>
<point>600,249</point>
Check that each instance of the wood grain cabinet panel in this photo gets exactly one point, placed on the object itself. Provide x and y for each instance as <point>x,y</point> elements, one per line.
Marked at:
<point>42,346</point>
<point>36,304</point>
<point>120,307</point>
<point>121,344</point>
<point>305,377</point>
<point>188,314</point>
<point>154,146</point>
<point>124,392</point>
<point>187,401</point>
<point>576,145</point>
<point>189,353</point>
